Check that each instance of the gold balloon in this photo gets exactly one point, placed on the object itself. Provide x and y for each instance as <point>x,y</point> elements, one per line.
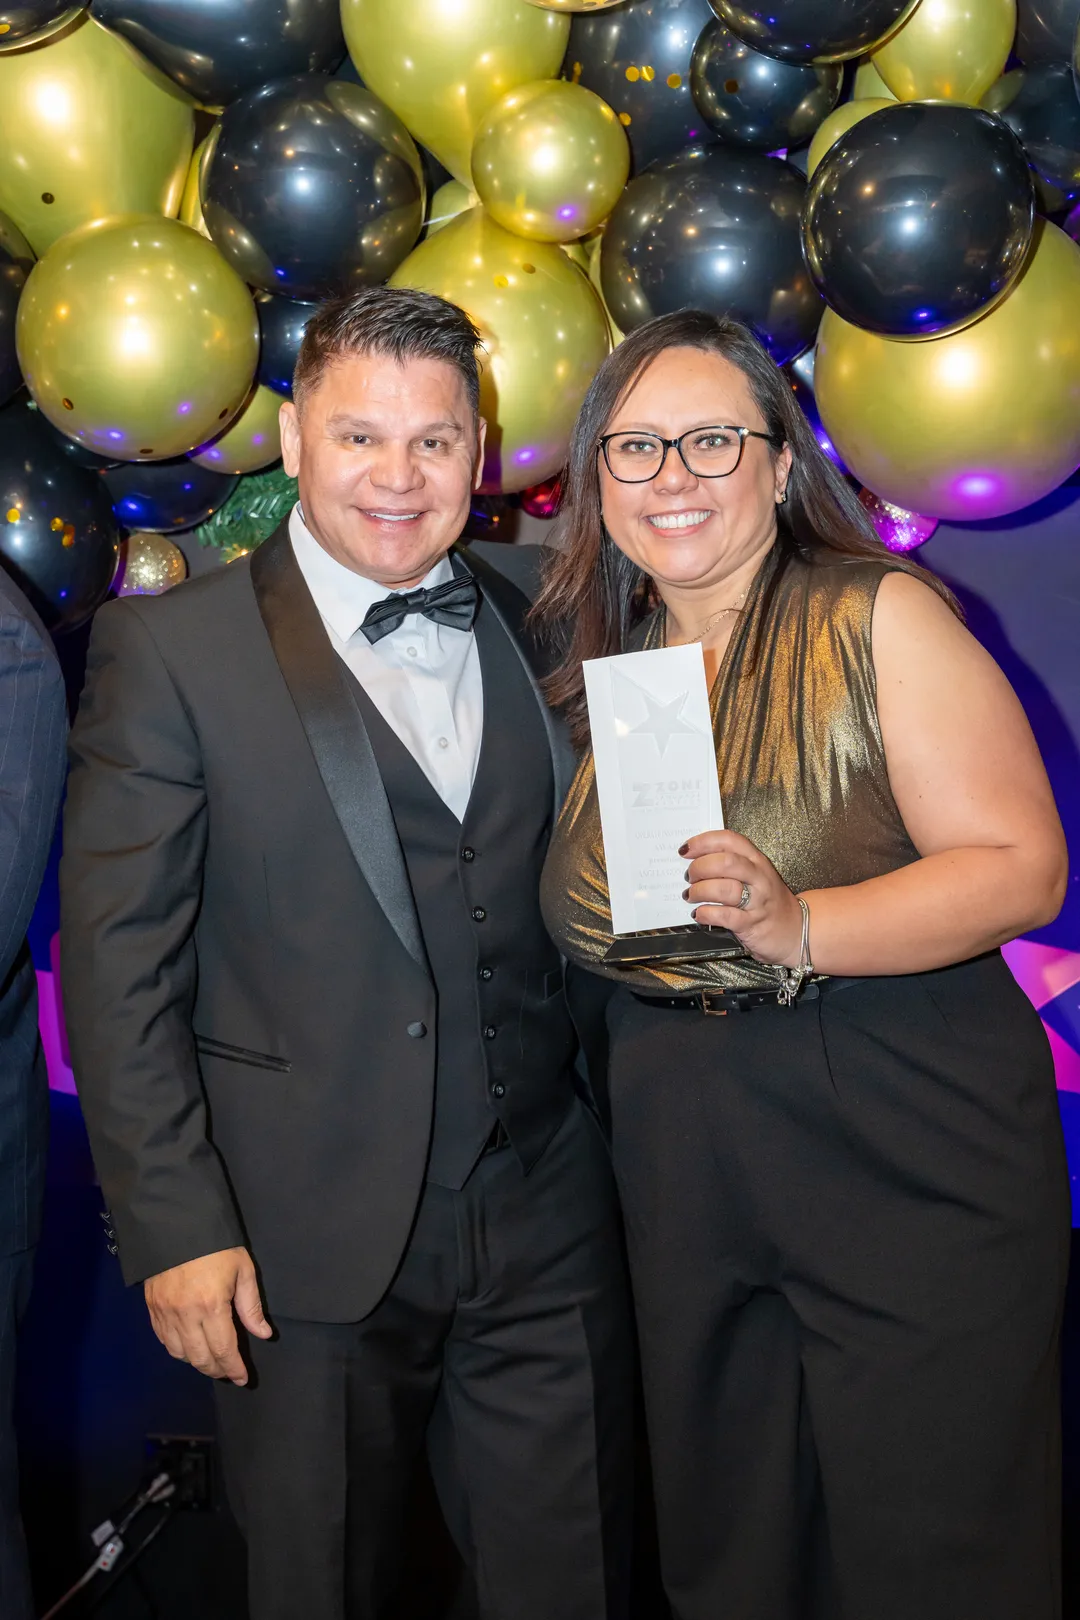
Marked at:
<point>839,121</point>
<point>447,203</point>
<point>191,202</point>
<point>87,129</point>
<point>575,5</point>
<point>136,338</point>
<point>442,64</point>
<point>543,331</point>
<point>948,50</point>
<point>550,161</point>
<point>869,85</point>
<point>251,440</point>
<point>973,425</point>
<point>150,565</point>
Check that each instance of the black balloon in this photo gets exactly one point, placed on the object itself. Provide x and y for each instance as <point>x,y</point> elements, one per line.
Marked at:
<point>220,49</point>
<point>1045,30</point>
<point>489,518</point>
<point>160,496</point>
<point>58,537</point>
<point>919,217</point>
<point>800,374</point>
<point>636,57</point>
<point>73,451</point>
<point>749,99</point>
<point>717,229</point>
<point>281,330</point>
<point>22,21</point>
<point>435,174</point>
<point>16,262</point>
<point>1040,105</point>
<point>314,188</point>
<point>812,30</point>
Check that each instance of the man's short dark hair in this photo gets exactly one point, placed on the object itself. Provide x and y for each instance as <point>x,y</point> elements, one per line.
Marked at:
<point>397,322</point>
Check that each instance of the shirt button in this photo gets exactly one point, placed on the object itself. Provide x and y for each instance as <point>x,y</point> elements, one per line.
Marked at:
<point>444,742</point>
<point>489,1032</point>
<point>468,854</point>
<point>478,913</point>
<point>485,973</point>
<point>417,1031</point>
<point>414,652</point>
<point>498,1089</point>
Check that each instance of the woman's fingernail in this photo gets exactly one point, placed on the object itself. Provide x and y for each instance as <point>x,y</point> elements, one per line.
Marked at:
<point>684,849</point>
<point>686,894</point>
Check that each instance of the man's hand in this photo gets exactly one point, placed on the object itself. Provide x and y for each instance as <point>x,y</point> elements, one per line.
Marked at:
<point>191,1308</point>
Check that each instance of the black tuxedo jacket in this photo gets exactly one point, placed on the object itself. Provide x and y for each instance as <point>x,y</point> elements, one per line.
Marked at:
<point>242,962</point>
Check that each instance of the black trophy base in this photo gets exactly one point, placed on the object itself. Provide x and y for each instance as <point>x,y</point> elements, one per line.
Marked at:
<point>673,945</point>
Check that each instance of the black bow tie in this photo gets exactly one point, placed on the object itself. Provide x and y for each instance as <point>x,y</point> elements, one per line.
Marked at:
<point>454,603</point>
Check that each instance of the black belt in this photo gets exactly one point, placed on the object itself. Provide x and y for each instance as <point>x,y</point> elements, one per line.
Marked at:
<point>719,1003</point>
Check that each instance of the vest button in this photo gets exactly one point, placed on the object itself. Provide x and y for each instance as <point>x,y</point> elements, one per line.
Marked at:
<point>485,973</point>
<point>478,913</point>
<point>498,1089</point>
<point>490,1032</point>
<point>416,1030</point>
<point>468,854</point>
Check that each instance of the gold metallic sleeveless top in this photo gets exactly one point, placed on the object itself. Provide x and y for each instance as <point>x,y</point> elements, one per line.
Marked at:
<point>800,758</point>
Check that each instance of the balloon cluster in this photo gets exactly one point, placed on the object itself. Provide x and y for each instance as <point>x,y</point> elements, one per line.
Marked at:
<point>180,186</point>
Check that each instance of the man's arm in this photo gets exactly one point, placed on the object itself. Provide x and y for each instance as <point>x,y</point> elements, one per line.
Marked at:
<point>33,725</point>
<point>130,883</point>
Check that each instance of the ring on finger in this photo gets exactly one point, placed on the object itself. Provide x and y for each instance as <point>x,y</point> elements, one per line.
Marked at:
<point>745,898</point>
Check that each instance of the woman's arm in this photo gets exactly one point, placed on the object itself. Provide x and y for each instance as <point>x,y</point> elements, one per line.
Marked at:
<point>973,794</point>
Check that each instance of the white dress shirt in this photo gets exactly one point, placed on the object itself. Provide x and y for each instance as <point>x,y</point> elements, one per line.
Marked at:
<point>424,678</point>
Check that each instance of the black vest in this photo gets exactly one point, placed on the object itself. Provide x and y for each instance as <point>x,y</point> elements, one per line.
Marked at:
<point>505,1041</point>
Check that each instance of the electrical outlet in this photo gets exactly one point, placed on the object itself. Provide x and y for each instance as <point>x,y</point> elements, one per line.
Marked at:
<point>191,1462</point>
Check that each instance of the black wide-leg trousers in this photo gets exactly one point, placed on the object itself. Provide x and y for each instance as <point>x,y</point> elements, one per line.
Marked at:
<point>848,1230</point>
<point>508,1327</point>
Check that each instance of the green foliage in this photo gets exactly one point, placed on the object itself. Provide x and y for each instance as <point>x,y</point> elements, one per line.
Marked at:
<point>251,514</point>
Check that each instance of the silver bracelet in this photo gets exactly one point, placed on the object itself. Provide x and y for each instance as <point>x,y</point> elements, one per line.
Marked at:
<point>794,978</point>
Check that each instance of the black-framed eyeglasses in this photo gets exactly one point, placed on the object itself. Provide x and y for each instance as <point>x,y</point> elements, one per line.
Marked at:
<point>705,452</point>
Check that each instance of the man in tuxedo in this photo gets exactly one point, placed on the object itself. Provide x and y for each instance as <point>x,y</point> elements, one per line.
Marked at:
<point>33,726</point>
<point>320,1033</point>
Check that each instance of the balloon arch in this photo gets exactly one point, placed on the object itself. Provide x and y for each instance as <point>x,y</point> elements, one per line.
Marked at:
<point>882,189</point>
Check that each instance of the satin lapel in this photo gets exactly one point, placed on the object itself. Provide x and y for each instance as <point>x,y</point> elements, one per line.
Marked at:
<point>335,731</point>
<point>511,607</point>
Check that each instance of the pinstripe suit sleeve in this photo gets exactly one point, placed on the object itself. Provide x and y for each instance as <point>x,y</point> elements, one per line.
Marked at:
<point>33,726</point>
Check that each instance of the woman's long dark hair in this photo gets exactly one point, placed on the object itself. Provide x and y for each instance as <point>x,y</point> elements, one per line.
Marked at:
<point>592,594</point>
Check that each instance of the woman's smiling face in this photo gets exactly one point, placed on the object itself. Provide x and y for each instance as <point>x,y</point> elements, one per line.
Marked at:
<point>684,530</point>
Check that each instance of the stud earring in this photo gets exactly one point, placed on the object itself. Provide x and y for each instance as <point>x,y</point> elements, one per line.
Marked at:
<point>783,498</point>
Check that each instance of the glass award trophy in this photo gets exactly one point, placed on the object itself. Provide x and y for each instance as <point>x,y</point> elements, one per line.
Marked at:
<point>657,786</point>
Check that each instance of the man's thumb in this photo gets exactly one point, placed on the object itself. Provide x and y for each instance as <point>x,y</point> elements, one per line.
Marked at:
<point>248,1305</point>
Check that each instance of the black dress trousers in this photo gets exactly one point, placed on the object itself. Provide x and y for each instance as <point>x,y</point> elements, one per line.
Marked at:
<point>508,1325</point>
<point>848,1229</point>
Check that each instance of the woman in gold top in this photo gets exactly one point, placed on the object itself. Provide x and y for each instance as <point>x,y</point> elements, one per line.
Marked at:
<point>848,1221</point>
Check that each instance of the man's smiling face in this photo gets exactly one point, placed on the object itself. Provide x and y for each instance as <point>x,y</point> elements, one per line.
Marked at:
<point>387,456</point>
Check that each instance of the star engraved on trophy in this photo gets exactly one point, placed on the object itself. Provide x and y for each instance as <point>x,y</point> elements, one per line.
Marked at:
<point>663,720</point>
